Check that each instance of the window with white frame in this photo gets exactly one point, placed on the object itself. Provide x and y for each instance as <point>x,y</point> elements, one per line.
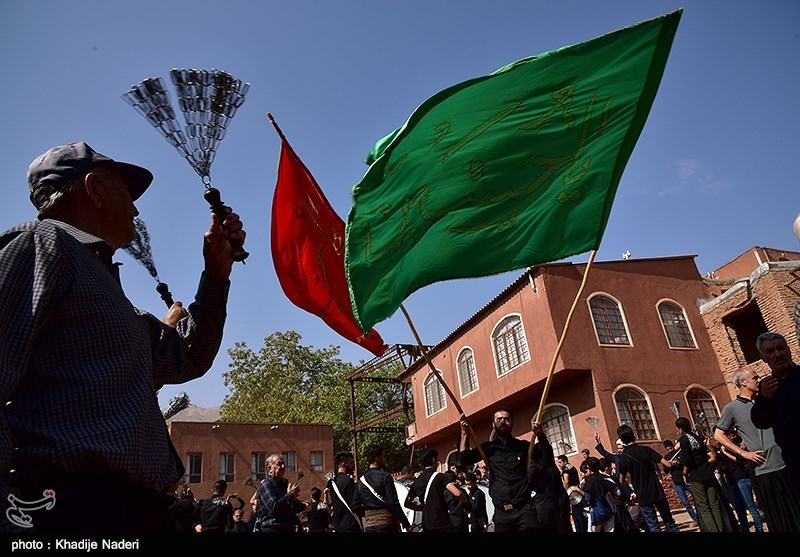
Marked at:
<point>226,466</point>
<point>633,410</point>
<point>291,461</point>
<point>467,375</point>
<point>703,410</point>
<point>557,425</point>
<point>511,347</point>
<point>434,394</point>
<point>315,461</point>
<point>673,318</point>
<point>258,466</point>
<point>194,468</point>
<point>608,321</point>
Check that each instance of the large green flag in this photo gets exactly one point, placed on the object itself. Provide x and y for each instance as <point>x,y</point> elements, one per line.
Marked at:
<point>505,171</point>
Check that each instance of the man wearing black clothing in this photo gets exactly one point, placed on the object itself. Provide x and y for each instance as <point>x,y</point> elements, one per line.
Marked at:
<point>215,514</point>
<point>430,489</point>
<point>778,401</point>
<point>182,510</point>
<point>508,463</point>
<point>571,479</point>
<point>545,482</point>
<point>342,496</point>
<point>694,458</point>
<point>477,518</point>
<point>375,488</point>
<point>682,489</point>
<point>457,506</point>
<point>640,462</point>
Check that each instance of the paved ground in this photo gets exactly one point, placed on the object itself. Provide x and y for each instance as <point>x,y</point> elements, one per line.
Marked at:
<point>686,524</point>
<point>684,521</point>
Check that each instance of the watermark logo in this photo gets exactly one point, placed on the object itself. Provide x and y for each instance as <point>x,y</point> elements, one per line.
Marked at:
<point>16,513</point>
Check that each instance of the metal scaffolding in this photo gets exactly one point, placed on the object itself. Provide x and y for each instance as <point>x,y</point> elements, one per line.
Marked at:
<point>406,355</point>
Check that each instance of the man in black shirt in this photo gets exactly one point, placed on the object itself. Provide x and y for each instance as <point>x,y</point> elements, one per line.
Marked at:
<point>508,464</point>
<point>342,496</point>
<point>778,401</point>
<point>215,514</point>
<point>570,480</point>
<point>429,494</point>
<point>545,481</point>
<point>640,462</point>
<point>377,491</point>
<point>477,518</point>
<point>678,482</point>
<point>694,458</point>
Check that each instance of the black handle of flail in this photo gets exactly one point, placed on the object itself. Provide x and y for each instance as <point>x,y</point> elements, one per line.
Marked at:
<point>218,207</point>
<point>166,295</point>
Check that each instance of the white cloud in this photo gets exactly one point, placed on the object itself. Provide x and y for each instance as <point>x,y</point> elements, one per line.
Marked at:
<point>691,176</point>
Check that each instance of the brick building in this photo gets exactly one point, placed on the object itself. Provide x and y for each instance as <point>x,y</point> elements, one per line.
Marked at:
<point>648,337</point>
<point>237,453</point>
<point>756,291</point>
<point>646,333</point>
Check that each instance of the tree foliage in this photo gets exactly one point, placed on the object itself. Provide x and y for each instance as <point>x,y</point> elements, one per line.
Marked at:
<point>287,382</point>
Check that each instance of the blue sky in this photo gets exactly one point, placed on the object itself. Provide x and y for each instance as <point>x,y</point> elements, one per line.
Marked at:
<point>711,175</point>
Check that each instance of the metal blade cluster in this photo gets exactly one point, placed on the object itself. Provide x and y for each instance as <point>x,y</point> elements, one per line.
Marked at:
<point>208,99</point>
<point>139,248</point>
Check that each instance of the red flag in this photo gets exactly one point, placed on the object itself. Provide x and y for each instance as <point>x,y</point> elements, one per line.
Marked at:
<point>308,250</point>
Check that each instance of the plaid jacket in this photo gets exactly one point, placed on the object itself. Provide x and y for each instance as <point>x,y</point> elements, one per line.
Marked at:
<point>80,366</point>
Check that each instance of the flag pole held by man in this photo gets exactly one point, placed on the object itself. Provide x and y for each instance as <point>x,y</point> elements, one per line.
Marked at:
<point>505,171</point>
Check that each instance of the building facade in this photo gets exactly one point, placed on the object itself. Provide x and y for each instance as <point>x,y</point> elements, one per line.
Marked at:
<point>237,453</point>
<point>755,292</point>
<point>649,339</point>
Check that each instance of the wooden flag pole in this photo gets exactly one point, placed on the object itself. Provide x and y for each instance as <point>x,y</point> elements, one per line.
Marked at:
<point>538,414</point>
<point>444,385</point>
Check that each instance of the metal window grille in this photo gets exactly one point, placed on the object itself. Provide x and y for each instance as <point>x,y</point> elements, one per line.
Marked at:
<point>434,395</point>
<point>291,461</point>
<point>467,375</point>
<point>315,461</point>
<point>226,466</point>
<point>194,468</point>
<point>510,345</point>
<point>634,411</point>
<point>558,428</point>
<point>258,466</point>
<point>608,321</point>
<point>674,320</point>
<point>701,402</point>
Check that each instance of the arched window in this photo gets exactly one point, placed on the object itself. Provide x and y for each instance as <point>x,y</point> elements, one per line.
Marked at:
<point>633,410</point>
<point>608,321</point>
<point>511,348</point>
<point>673,319</point>
<point>467,375</point>
<point>558,428</point>
<point>703,410</point>
<point>434,394</point>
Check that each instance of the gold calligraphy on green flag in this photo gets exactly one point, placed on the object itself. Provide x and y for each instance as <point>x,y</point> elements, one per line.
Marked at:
<point>505,171</point>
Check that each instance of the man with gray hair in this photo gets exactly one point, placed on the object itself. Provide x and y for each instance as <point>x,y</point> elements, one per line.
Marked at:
<point>771,481</point>
<point>278,504</point>
<point>80,365</point>
<point>777,404</point>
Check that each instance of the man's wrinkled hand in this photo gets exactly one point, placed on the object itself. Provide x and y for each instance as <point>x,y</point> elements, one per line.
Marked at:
<point>217,250</point>
<point>175,313</point>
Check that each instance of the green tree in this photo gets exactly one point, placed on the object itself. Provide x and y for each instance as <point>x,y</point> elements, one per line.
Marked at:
<point>287,382</point>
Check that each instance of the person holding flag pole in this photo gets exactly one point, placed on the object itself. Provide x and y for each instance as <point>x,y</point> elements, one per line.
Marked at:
<point>509,170</point>
<point>513,169</point>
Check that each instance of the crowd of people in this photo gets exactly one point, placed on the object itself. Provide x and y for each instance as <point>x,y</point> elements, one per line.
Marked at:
<point>76,346</point>
<point>726,481</point>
